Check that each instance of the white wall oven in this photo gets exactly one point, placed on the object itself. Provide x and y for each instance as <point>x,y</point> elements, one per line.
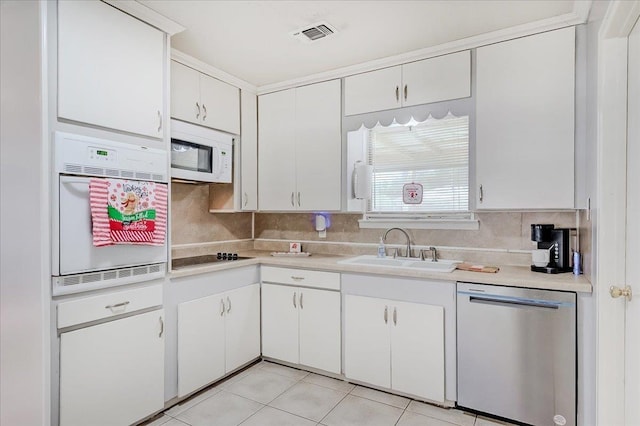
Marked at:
<point>79,263</point>
<point>199,154</point>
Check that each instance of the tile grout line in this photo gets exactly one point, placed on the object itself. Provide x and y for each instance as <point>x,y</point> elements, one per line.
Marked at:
<point>334,407</point>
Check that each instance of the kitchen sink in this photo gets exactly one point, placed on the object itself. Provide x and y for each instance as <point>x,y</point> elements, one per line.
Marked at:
<point>442,265</point>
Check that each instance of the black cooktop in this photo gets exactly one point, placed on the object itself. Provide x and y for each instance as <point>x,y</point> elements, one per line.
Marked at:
<point>209,258</point>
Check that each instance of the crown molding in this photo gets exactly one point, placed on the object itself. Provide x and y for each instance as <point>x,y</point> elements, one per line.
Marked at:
<point>150,16</point>
<point>214,72</point>
<point>578,16</point>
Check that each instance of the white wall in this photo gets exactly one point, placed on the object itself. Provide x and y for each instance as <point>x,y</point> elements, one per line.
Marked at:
<point>24,298</point>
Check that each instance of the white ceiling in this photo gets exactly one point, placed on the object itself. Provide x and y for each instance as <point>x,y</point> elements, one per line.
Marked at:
<point>251,39</point>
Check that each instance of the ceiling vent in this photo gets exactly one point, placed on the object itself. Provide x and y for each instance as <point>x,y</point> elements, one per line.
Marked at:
<point>314,32</point>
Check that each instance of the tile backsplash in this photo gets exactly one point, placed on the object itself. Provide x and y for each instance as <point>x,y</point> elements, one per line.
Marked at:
<point>503,238</point>
<point>192,223</point>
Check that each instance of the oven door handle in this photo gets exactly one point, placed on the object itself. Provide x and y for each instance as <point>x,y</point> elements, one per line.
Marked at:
<point>511,302</point>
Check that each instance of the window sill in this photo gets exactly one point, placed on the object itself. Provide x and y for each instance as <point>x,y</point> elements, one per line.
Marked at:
<point>453,224</point>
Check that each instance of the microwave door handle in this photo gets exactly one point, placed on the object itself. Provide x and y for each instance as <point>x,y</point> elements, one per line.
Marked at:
<point>216,162</point>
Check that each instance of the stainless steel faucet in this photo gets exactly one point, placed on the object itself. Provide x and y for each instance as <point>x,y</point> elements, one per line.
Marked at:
<point>408,253</point>
<point>434,254</point>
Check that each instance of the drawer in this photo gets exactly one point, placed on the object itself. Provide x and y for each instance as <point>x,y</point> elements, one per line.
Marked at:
<point>108,305</point>
<point>301,277</point>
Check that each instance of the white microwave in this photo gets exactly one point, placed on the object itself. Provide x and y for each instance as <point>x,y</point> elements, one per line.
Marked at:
<point>199,154</point>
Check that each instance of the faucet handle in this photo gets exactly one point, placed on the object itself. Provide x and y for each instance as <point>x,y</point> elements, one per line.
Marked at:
<point>422,254</point>
<point>395,252</point>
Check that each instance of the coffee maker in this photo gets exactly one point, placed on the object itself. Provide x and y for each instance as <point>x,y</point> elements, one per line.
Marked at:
<point>559,243</point>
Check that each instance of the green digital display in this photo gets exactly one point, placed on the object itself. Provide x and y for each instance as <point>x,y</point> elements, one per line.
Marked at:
<point>101,152</point>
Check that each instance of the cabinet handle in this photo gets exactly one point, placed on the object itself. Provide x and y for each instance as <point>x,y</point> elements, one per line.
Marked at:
<point>397,93</point>
<point>481,194</point>
<point>161,327</point>
<point>117,305</point>
<point>221,307</point>
<point>229,307</point>
<point>198,113</point>
<point>159,121</point>
<point>294,300</point>
<point>296,278</point>
<point>292,203</point>
<point>395,316</point>
<point>386,314</point>
<point>246,200</point>
<point>405,92</point>
<point>301,294</point>
<point>204,112</point>
<point>298,199</point>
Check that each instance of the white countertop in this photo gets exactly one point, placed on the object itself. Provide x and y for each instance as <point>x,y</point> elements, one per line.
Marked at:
<point>513,276</point>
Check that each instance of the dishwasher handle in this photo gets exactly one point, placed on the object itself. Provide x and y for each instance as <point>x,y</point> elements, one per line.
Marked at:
<point>511,302</point>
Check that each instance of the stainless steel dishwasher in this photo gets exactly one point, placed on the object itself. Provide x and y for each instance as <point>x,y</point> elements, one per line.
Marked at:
<point>517,353</point>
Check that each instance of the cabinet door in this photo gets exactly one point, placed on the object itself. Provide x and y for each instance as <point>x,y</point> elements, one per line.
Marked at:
<point>372,91</point>
<point>280,322</point>
<point>318,146</point>
<point>367,354</point>
<point>320,335</point>
<point>276,151</point>
<point>242,326</point>
<point>525,122</point>
<point>112,373</point>
<point>417,350</point>
<point>185,93</point>
<point>110,68</point>
<point>201,343</point>
<point>249,150</point>
<point>437,79</point>
<point>220,104</point>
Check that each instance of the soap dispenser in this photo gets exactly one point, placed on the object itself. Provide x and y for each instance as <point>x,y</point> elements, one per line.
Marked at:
<point>381,250</point>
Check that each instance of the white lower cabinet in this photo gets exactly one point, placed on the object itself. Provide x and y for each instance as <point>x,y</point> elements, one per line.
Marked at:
<point>112,373</point>
<point>302,326</point>
<point>395,345</point>
<point>217,334</point>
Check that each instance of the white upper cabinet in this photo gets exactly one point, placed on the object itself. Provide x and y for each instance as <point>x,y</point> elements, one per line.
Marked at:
<point>525,122</point>
<point>249,150</point>
<point>430,80</point>
<point>110,69</point>
<point>373,91</point>
<point>318,146</point>
<point>276,150</point>
<point>437,79</point>
<point>299,148</point>
<point>200,99</point>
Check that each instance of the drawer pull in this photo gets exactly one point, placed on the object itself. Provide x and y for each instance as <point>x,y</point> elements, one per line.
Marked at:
<point>293,277</point>
<point>117,305</point>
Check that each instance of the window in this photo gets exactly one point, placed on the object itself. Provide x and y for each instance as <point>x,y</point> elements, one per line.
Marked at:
<point>433,153</point>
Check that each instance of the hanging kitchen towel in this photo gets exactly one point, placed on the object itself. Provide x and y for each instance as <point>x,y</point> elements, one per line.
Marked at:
<point>128,212</point>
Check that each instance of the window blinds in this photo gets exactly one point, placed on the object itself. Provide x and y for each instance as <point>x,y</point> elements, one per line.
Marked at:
<point>434,153</point>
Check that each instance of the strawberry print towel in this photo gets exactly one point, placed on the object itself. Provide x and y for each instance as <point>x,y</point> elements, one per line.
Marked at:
<point>128,212</point>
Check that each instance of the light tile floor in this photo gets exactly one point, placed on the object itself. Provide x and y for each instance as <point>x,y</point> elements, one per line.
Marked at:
<point>268,394</point>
